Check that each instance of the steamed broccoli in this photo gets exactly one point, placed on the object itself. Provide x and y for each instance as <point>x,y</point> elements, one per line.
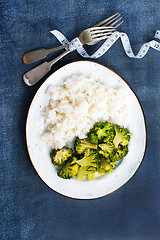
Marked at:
<point>109,137</point>
<point>104,153</point>
<point>101,131</point>
<point>69,169</point>
<point>88,172</point>
<point>60,156</point>
<point>122,136</point>
<point>106,144</point>
<point>121,152</point>
<point>106,166</point>
<point>82,144</point>
<point>90,159</point>
<point>107,149</point>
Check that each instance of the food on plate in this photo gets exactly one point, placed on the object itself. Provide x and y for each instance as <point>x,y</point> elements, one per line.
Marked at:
<point>75,106</point>
<point>60,156</point>
<point>83,125</point>
<point>88,159</point>
<point>122,136</point>
<point>82,144</point>
<point>69,170</point>
<point>102,131</point>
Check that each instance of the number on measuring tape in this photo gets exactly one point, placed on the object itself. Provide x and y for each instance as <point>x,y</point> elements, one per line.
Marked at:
<point>156,45</point>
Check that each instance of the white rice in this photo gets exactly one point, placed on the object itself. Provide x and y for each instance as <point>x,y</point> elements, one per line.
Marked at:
<point>77,105</point>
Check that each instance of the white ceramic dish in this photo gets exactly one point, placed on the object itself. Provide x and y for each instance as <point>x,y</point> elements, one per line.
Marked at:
<point>39,153</point>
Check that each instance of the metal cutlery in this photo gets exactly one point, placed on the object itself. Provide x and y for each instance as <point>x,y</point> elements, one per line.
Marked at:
<point>89,36</point>
<point>36,55</point>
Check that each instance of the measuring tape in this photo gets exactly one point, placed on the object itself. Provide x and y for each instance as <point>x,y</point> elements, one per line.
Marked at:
<point>75,44</point>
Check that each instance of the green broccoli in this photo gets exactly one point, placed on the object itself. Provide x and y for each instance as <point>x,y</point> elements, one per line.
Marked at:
<point>69,169</point>
<point>122,136</point>
<point>101,131</point>
<point>109,137</point>
<point>121,152</point>
<point>106,144</point>
<point>104,153</point>
<point>106,166</point>
<point>90,159</point>
<point>60,156</point>
<point>82,144</point>
<point>107,147</point>
<point>88,172</point>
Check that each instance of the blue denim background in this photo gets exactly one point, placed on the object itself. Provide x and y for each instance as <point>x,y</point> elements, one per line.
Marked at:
<point>30,209</point>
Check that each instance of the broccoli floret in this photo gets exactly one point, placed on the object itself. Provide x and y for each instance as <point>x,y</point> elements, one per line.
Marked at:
<point>106,166</point>
<point>88,172</point>
<point>90,159</point>
<point>115,155</point>
<point>121,152</point>
<point>107,149</point>
<point>101,131</point>
<point>104,153</point>
<point>52,154</point>
<point>82,144</point>
<point>93,137</point>
<point>106,144</point>
<point>109,137</point>
<point>122,136</point>
<point>60,156</point>
<point>69,169</point>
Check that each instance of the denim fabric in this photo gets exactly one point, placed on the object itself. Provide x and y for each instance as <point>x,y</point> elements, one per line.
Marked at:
<point>28,208</point>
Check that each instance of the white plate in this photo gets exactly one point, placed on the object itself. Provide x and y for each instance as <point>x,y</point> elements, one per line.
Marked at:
<point>39,153</point>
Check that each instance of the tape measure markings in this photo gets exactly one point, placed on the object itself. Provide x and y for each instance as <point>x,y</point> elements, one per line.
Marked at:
<point>75,44</point>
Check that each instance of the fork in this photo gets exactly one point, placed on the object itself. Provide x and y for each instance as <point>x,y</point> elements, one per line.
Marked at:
<point>114,21</point>
<point>35,74</point>
<point>36,55</point>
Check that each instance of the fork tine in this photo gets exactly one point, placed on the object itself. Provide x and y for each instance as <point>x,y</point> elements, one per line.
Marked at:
<point>116,21</point>
<point>94,34</point>
<point>101,33</point>
<point>97,36</point>
<point>98,32</point>
<point>110,20</point>
<point>107,19</point>
<point>113,23</point>
<point>100,38</point>
<point>115,18</point>
<point>118,24</point>
<point>95,30</point>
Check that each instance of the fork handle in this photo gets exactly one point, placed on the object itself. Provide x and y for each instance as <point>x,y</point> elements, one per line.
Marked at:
<point>35,74</point>
<point>36,55</point>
